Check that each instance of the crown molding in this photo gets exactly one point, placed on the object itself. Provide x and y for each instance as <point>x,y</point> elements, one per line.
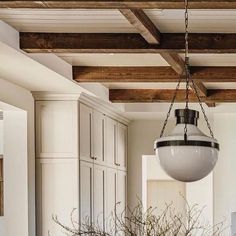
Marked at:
<point>94,102</point>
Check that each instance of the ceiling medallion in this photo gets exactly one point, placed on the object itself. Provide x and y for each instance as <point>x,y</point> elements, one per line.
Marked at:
<point>187,154</point>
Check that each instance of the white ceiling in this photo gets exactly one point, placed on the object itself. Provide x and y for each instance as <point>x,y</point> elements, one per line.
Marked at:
<point>124,59</point>
<point>66,20</point>
<point>48,20</point>
<point>120,59</point>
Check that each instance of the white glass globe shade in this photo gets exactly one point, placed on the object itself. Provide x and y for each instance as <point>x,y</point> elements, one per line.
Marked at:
<point>187,162</point>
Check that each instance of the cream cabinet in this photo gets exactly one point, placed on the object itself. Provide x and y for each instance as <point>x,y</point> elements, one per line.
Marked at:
<point>122,145</point>
<point>99,195</point>
<point>111,177</point>
<point>116,189</point>
<point>92,193</point>
<point>85,131</point>
<point>86,191</point>
<point>121,192</point>
<point>56,129</point>
<point>56,193</point>
<point>92,125</point>
<point>81,156</point>
<point>98,137</point>
<point>111,132</point>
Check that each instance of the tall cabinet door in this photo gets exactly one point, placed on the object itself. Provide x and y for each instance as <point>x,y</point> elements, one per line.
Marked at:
<point>57,193</point>
<point>111,198</point>
<point>98,137</point>
<point>99,174</point>
<point>111,130</point>
<point>85,133</point>
<point>121,194</point>
<point>122,132</point>
<point>86,191</point>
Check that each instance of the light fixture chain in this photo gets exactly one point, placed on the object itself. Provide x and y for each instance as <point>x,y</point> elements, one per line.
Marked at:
<point>170,108</point>
<point>187,74</point>
<point>186,32</point>
<point>201,105</point>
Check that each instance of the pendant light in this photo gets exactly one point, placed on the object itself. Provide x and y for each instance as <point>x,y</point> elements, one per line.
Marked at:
<point>187,154</point>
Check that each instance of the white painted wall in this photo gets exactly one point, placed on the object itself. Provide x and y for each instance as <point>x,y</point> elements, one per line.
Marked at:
<point>225,171</point>
<point>2,228</point>
<point>142,134</point>
<point>19,166</point>
<point>1,136</point>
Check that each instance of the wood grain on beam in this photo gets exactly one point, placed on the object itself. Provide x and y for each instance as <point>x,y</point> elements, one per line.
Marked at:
<point>210,104</point>
<point>143,25</point>
<point>202,92</point>
<point>152,35</point>
<point>201,89</point>
<point>151,74</point>
<point>175,61</point>
<point>125,43</point>
<point>118,4</point>
<point>166,95</point>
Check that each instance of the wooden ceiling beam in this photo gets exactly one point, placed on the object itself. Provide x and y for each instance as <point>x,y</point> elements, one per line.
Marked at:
<point>152,35</point>
<point>118,4</point>
<point>201,89</point>
<point>166,95</point>
<point>125,43</point>
<point>152,74</point>
<point>143,25</point>
<point>202,92</point>
<point>175,61</point>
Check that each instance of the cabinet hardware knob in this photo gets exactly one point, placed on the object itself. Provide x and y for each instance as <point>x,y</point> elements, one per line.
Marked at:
<point>117,164</point>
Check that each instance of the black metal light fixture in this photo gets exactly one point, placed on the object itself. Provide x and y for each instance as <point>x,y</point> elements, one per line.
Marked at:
<point>187,154</point>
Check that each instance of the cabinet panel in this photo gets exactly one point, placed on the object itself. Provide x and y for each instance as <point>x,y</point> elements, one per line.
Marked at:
<point>56,129</point>
<point>86,191</point>
<point>111,197</point>
<point>57,193</point>
<point>85,133</point>
<point>98,137</point>
<point>110,137</point>
<point>122,132</point>
<point>121,191</point>
<point>99,173</point>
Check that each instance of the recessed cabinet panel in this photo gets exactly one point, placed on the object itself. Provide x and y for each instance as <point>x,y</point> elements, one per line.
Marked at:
<point>85,133</point>
<point>57,193</point>
<point>86,191</point>
<point>111,131</point>
<point>121,146</point>
<point>98,137</point>
<point>99,198</point>
<point>111,198</point>
<point>56,129</point>
<point>121,192</point>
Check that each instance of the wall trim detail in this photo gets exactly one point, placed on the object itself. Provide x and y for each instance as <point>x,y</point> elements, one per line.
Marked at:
<point>91,101</point>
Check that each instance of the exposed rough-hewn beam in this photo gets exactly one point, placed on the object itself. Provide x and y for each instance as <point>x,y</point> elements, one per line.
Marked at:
<point>210,104</point>
<point>151,74</point>
<point>201,89</point>
<point>165,95</point>
<point>143,25</point>
<point>202,92</point>
<point>175,61</point>
<point>125,43</point>
<point>118,4</point>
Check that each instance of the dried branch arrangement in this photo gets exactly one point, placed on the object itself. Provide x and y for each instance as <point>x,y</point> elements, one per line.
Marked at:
<point>137,222</point>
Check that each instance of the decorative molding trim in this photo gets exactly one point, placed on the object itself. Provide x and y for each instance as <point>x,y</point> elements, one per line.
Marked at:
<point>89,100</point>
<point>1,115</point>
<point>104,107</point>
<point>52,96</point>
